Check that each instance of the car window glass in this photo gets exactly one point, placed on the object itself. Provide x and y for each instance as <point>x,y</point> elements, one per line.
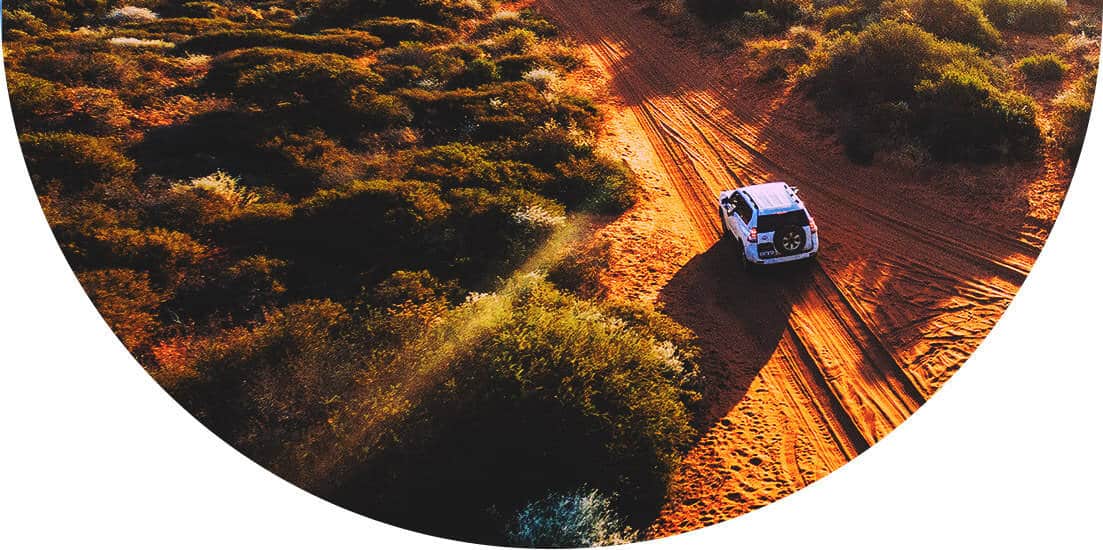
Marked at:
<point>743,209</point>
<point>773,222</point>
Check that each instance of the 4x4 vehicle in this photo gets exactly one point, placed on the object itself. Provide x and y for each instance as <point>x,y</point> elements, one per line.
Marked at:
<point>770,224</point>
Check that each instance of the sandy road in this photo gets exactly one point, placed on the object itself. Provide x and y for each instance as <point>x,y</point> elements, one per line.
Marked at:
<point>806,366</point>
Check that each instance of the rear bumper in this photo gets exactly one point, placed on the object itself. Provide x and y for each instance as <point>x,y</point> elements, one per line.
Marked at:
<point>754,258</point>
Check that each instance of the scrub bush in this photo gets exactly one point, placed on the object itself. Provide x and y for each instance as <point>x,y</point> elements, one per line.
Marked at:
<point>549,393</point>
<point>35,102</point>
<point>963,117</point>
<point>899,81</point>
<point>578,519</point>
<point>1037,16</point>
<point>1043,67</point>
<point>76,162</point>
<point>127,301</point>
<point>1072,109</point>
<point>350,43</point>
<point>394,30</point>
<point>783,11</point>
<point>959,20</point>
<point>271,78</point>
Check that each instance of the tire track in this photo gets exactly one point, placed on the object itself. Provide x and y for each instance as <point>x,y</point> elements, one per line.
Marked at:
<point>838,377</point>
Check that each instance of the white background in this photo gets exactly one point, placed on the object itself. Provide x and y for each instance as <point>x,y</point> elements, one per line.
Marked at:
<point>94,454</point>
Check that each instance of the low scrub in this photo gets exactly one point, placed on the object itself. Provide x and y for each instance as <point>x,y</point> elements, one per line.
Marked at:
<point>75,162</point>
<point>578,519</point>
<point>783,12</point>
<point>898,81</point>
<point>393,30</point>
<point>1072,109</point>
<point>350,43</point>
<point>539,390</point>
<point>1043,67</point>
<point>961,116</point>
<point>190,187</point>
<point>271,78</point>
<point>1037,16</point>
<point>958,20</point>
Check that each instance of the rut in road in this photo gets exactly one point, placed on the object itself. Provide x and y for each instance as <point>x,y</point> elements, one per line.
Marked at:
<point>806,366</point>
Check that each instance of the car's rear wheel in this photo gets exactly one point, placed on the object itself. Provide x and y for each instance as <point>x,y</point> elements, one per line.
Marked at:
<point>744,263</point>
<point>789,240</point>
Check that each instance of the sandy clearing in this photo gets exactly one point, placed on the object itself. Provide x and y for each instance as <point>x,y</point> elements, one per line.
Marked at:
<point>806,366</point>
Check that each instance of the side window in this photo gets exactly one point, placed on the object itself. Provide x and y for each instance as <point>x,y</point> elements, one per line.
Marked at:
<point>743,209</point>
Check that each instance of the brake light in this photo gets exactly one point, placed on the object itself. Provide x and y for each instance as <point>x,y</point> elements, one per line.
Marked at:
<point>753,237</point>
<point>812,224</point>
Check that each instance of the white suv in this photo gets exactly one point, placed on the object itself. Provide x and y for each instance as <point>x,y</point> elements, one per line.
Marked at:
<point>770,224</point>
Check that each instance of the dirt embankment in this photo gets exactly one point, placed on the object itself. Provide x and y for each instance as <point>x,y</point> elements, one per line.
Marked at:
<point>806,366</point>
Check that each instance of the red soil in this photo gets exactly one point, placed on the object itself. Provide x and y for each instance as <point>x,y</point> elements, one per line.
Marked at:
<point>806,366</point>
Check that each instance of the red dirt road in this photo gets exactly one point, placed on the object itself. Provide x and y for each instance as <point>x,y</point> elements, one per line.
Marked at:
<point>805,366</point>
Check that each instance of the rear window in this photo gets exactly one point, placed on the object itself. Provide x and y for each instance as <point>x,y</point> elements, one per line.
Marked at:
<point>773,222</point>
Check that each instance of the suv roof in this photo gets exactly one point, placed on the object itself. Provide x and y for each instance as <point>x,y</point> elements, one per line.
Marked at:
<point>772,198</point>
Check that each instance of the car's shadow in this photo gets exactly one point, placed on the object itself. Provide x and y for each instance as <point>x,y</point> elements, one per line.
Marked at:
<point>739,318</point>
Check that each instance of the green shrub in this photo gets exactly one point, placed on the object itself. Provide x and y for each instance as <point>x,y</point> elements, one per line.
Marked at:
<point>963,117</point>
<point>465,165</point>
<point>580,271</point>
<point>578,519</point>
<point>513,67</point>
<point>350,43</point>
<point>127,301</point>
<point>153,250</point>
<point>442,12</point>
<point>371,227</point>
<point>423,64</point>
<point>900,83</point>
<point>97,111</point>
<point>844,17</point>
<point>35,102</point>
<point>538,392</point>
<point>76,67</point>
<point>477,72</point>
<point>595,184</point>
<point>511,42</point>
<point>62,13</point>
<point>175,28</point>
<point>495,231</point>
<point>784,11</point>
<point>394,30</point>
<point>959,20</point>
<point>1037,16</point>
<point>1072,109</point>
<point>22,22</point>
<point>52,13</point>
<point>883,62</point>
<point>551,144</point>
<point>272,77</point>
<point>76,162</point>
<point>759,23</point>
<point>235,289</point>
<point>1043,67</point>
<point>262,387</point>
<point>493,112</point>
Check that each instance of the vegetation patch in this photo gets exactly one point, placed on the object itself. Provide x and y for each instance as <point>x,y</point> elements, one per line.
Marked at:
<point>1037,16</point>
<point>1043,67</point>
<point>899,81</point>
<point>325,228</point>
